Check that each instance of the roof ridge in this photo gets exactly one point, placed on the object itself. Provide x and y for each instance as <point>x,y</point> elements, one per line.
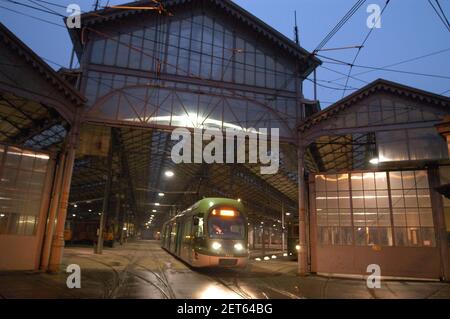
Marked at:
<point>284,42</point>
<point>39,64</point>
<point>378,84</point>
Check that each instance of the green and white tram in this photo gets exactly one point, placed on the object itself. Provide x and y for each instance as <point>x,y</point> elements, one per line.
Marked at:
<point>211,233</point>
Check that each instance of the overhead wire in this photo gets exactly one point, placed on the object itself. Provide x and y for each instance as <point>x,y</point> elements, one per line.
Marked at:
<point>340,24</point>
<point>447,26</point>
<point>363,43</point>
<point>339,62</point>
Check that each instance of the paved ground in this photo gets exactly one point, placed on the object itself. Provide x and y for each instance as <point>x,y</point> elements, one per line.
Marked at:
<point>142,270</point>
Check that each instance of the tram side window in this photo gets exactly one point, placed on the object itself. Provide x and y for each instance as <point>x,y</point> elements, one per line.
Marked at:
<point>188,230</point>
<point>199,227</point>
<point>173,235</point>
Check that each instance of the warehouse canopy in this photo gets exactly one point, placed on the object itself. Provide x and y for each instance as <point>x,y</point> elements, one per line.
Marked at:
<point>166,7</point>
<point>381,124</point>
<point>36,104</point>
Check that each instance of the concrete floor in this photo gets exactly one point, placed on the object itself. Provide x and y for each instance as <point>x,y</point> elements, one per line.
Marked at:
<point>143,270</point>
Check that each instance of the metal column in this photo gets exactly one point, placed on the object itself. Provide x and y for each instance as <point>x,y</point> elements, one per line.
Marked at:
<point>283,232</point>
<point>98,249</point>
<point>51,218</point>
<point>439,221</point>
<point>58,238</point>
<point>303,251</point>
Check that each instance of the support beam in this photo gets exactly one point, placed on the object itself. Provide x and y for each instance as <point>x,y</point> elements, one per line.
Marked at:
<point>51,218</point>
<point>439,221</point>
<point>58,238</point>
<point>98,249</point>
<point>303,251</point>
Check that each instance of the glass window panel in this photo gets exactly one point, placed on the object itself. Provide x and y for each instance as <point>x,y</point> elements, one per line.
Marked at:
<point>395,179</point>
<point>123,50</point>
<point>9,178</point>
<point>373,236</point>
<point>428,237</point>
<point>345,219</point>
<point>412,217</point>
<point>397,198</point>
<point>385,236</point>
<point>423,196</point>
<point>320,183</point>
<point>359,217</point>
<point>23,180</point>
<point>345,234</point>
<point>183,50</point>
<point>360,236</point>
<point>357,181</point>
<point>335,236</point>
<point>135,54</point>
<point>382,199</point>
<point>322,219</point>
<point>333,217</point>
<point>321,200</point>
<point>362,118</point>
<point>426,143</point>
<point>409,180</point>
<point>399,217</point>
<point>27,161</point>
<point>370,199</point>
<point>388,115</point>
<point>401,112</point>
<point>97,51</point>
<point>110,51</point>
<point>444,172</point>
<point>343,182</point>
<point>369,181</point>
<point>414,236</point>
<point>207,48</point>
<point>324,235</point>
<point>426,217</point>
<point>446,201</point>
<point>381,180</point>
<point>410,198</point>
<point>392,146</point>
<point>350,119</point>
<point>371,217</point>
<point>358,199</point>
<point>270,74</point>
<point>148,60</point>
<point>13,157</point>
<point>249,64</point>
<point>239,61</point>
<point>401,236</point>
<point>331,182</point>
<point>384,218</point>
<point>422,179</point>
<point>344,199</point>
<point>332,199</point>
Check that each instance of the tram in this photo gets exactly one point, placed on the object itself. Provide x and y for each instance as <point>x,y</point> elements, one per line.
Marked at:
<point>211,233</point>
<point>86,232</point>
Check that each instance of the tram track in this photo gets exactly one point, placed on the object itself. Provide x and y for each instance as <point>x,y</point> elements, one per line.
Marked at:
<point>159,274</point>
<point>120,277</point>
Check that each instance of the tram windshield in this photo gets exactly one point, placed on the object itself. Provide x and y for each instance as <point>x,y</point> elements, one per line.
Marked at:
<point>226,227</point>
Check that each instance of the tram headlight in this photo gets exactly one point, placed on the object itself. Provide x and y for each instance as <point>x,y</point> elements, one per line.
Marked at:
<point>239,247</point>
<point>216,245</point>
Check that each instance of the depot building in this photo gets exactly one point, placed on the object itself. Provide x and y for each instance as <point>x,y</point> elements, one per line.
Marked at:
<point>374,164</point>
<point>366,178</point>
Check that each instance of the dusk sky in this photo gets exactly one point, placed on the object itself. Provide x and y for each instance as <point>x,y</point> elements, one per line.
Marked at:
<point>409,29</point>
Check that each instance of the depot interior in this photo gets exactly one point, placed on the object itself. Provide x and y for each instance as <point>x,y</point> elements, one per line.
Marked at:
<point>366,180</point>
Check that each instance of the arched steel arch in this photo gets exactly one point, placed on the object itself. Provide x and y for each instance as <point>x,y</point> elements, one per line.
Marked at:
<point>169,107</point>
